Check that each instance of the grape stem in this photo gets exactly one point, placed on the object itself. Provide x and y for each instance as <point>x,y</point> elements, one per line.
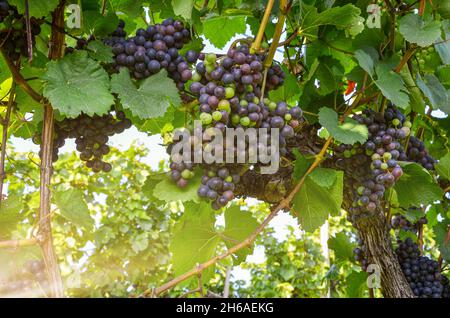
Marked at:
<point>284,9</point>
<point>262,27</point>
<point>18,78</point>
<point>408,54</point>
<point>283,204</point>
<point>5,124</point>
<point>44,234</point>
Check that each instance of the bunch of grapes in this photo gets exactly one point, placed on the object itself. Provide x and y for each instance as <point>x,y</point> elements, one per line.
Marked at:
<point>401,222</point>
<point>360,255</point>
<point>422,273</point>
<point>446,291</point>
<point>31,280</point>
<point>229,92</point>
<point>4,10</point>
<point>91,137</point>
<point>153,49</point>
<point>15,36</point>
<point>372,167</point>
<point>417,152</point>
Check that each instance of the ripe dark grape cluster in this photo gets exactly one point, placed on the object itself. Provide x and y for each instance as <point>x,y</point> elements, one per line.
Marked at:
<point>446,284</point>
<point>422,273</point>
<point>153,49</point>
<point>91,137</point>
<point>373,167</point>
<point>401,222</point>
<point>31,280</point>
<point>360,255</point>
<point>15,36</point>
<point>417,152</point>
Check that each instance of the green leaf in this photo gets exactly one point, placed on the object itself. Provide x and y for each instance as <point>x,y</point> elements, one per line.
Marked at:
<point>434,91</point>
<point>168,191</point>
<point>356,284</point>
<point>367,59</point>
<point>95,23</point>
<point>77,84</point>
<point>220,29</point>
<point>4,71</point>
<point>346,18</point>
<point>342,247</point>
<point>139,243</point>
<point>415,30</point>
<point>37,9</point>
<point>314,203</point>
<point>9,215</point>
<point>441,231</point>
<point>100,52</point>
<point>151,99</point>
<point>443,45</point>
<point>324,177</point>
<point>392,86</point>
<point>194,239</point>
<point>349,132</point>
<point>301,164</point>
<point>183,8</point>
<point>132,8</point>
<point>238,226</point>
<point>425,190</point>
<point>72,206</point>
<point>443,167</point>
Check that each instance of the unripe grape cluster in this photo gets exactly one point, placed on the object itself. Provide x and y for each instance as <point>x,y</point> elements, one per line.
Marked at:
<point>153,49</point>
<point>91,137</point>
<point>422,273</point>
<point>373,167</point>
<point>15,36</point>
<point>31,280</point>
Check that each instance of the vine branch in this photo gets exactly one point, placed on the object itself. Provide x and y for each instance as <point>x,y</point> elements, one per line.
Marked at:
<point>5,124</point>
<point>262,27</point>
<point>18,78</point>
<point>285,203</point>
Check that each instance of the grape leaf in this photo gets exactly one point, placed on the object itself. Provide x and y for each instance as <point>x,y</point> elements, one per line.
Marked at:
<point>367,59</point>
<point>95,22</point>
<point>342,247</point>
<point>434,91</point>
<point>151,99</point>
<point>4,71</point>
<point>183,8</point>
<point>443,45</point>
<point>425,190</point>
<point>139,243</point>
<point>37,9</point>
<point>415,30</point>
<point>301,164</point>
<point>100,52</point>
<point>356,284</point>
<point>314,203</point>
<point>194,239</point>
<point>220,29</point>
<point>238,226</point>
<point>168,191</point>
<point>9,214</point>
<point>443,167</point>
<point>132,8</point>
<point>72,206</point>
<point>392,86</point>
<point>441,231</point>
<point>77,84</point>
<point>349,132</point>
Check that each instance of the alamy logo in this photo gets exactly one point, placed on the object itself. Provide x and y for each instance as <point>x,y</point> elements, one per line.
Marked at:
<point>74,18</point>
<point>231,145</point>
